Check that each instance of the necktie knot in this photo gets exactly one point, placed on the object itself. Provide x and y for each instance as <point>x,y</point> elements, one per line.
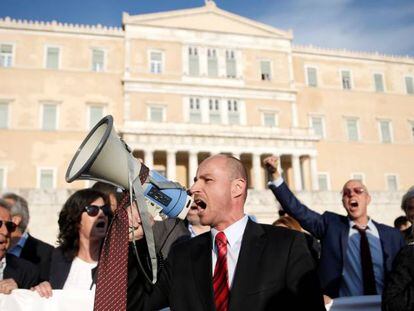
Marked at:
<point>361,230</point>
<point>221,239</point>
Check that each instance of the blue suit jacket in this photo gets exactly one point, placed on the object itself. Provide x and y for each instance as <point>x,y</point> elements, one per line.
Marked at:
<point>333,230</point>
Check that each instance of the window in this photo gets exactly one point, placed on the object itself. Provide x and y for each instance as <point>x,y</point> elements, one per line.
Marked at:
<point>312,76</point>
<point>193,62</point>
<point>214,110</point>
<point>4,115</point>
<point>49,117</point>
<point>156,113</point>
<point>265,70</point>
<point>323,181</point>
<point>392,184</point>
<point>195,110</point>
<point>156,62</point>
<point>352,129</point>
<point>317,124</point>
<point>212,63</point>
<point>385,131</point>
<point>6,55</point>
<point>230,64</point>
<point>379,82</point>
<point>46,178</point>
<point>96,113</point>
<point>269,119</point>
<point>358,176</point>
<point>52,57</point>
<point>98,60</point>
<point>346,79</point>
<point>233,111</point>
<point>2,178</point>
<point>409,85</point>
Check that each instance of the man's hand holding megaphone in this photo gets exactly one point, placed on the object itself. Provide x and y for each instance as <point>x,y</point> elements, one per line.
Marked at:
<point>136,232</point>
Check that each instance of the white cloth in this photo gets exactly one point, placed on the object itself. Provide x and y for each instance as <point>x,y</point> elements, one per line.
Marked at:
<point>234,234</point>
<point>61,300</point>
<point>80,275</point>
<point>2,267</point>
<point>356,303</point>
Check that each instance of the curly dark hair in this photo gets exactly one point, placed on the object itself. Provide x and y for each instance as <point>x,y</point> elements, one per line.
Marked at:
<point>70,218</point>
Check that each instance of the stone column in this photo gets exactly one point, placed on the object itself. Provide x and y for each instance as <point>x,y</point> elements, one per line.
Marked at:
<point>192,166</point>
<point>296,173</point>
<point>257,179</point>
<point>149,158</point>
<point>314,173</point>
<point>171,164</point>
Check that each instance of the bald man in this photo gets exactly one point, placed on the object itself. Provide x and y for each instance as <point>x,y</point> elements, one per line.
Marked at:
<point>239,264</point>
<point>356,252</point>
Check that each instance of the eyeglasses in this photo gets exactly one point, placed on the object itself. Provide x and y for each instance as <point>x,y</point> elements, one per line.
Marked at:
<point>10,226</point>
<point>348,191</point>
<point>93,210</point>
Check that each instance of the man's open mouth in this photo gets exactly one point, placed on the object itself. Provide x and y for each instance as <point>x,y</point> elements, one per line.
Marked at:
<point>200,203</point>
<point>353,203</point>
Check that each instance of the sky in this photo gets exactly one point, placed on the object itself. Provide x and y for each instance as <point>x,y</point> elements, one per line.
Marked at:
<point>384,26</point>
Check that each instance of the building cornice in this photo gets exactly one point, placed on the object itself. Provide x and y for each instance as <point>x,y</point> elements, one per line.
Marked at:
<point>343,53</point>
<point>54,26</point>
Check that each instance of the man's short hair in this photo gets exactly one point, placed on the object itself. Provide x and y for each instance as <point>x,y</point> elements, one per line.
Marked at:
<point>406,198</point>
<point>237,170</point>
<point>19,208</point>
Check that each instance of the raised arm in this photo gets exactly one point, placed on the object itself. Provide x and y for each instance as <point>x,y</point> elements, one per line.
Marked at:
<point>310,220</point>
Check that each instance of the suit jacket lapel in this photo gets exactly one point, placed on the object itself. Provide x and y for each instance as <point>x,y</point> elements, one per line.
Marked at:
<point>247,264</point>
<point>385,248</point>
<point>202,269</point>
<point>344,239</point>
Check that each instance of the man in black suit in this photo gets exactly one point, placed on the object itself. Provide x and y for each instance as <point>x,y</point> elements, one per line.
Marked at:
<point>23,245</point>
<point>259,267</point>
<point>14,272</point>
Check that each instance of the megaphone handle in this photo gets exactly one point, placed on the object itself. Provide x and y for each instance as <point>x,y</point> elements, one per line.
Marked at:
<point>145,220</point>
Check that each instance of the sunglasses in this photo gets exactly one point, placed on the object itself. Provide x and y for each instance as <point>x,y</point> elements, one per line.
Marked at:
<point>348,191</point>
<point>93,210</point>
<point>10,226</point>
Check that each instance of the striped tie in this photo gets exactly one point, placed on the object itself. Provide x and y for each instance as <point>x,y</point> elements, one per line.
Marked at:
<point>220,277</point>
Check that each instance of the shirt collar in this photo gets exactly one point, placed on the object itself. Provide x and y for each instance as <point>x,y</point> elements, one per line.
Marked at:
<point>370,224</point>
<point>23,239</point>
<point>233,233</point>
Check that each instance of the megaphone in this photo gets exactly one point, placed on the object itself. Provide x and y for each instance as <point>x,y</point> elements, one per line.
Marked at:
<point>104,156</point>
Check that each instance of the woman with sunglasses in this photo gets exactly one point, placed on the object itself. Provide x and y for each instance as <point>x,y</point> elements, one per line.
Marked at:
<point>82,223</point>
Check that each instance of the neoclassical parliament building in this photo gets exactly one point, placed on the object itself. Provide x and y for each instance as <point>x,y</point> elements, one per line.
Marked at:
<point>185,84</point>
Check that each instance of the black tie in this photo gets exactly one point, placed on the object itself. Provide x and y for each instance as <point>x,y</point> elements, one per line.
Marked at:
<point>368,276</point>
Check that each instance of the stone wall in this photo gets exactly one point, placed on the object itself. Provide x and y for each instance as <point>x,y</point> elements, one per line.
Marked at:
<point>45,206</point>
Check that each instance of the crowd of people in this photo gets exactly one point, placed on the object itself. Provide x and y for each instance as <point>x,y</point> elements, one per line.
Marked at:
<point>219,257</point>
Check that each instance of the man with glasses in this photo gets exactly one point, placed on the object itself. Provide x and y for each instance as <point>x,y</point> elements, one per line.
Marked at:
<point>14,272</point>
<point>356,251</point>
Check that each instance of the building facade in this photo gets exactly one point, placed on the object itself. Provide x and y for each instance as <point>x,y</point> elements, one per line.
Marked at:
<point>185,84</point>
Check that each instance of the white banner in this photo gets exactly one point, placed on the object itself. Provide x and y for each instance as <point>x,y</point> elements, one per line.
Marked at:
<point>357,303</point>
<point>62,300</point>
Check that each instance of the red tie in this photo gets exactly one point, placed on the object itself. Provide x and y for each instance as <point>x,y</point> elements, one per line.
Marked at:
<point>220,277</point>
<point>111,285</point>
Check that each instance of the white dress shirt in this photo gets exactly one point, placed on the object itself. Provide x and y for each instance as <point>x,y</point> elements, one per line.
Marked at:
<point>234,234</point>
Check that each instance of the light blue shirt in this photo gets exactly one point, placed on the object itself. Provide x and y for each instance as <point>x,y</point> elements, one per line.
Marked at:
<point>352,283</point>
<point>17,249</point>
<point>234,234</point>
<point>192,232</point>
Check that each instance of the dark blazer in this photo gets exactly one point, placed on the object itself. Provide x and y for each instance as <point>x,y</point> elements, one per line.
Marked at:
<point>59,269</point>
<point>398,293</point>
<point>274,272</point>
<point>23,272</point>
<point>333,230</point>
<point>38,253</point>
